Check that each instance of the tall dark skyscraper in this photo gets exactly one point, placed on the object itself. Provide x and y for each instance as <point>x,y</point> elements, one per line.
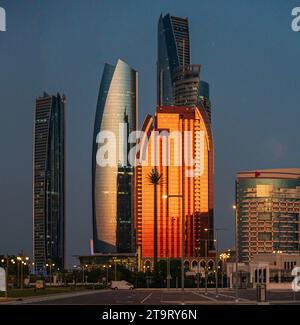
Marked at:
<point>186,85</point>
<point>178,81</point>
<point>189,90</point>
<point>49,182</point>
<point>204,97</point>
<point>112,185</point>
<point>173,52</point>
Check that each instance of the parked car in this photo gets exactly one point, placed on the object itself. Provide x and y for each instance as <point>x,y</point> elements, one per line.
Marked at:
<point>115,285</point>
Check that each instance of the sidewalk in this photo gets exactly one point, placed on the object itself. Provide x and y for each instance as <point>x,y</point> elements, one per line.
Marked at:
<point>31,300</point>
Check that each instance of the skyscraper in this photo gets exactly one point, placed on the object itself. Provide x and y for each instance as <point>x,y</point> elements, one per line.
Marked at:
<point>186,85</point>
<point>177,179</point>
<point>173,52</point>
<point>189,90</point>
<point>49,182</point>
<point>178,81</point>
<point>204,97</point>
<point>268,212</point>
<point>112,185</point>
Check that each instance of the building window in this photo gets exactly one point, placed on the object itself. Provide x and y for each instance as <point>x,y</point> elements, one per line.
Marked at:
<point>263,236</point>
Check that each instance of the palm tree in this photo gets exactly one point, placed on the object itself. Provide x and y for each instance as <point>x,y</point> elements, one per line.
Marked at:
<point>155,178</point>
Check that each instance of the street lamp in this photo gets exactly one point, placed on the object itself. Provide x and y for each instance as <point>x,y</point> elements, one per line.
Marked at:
<point>234,207</point>
<point>115,263</point>
<point>21,260</point>
<point>182,207</point>
<point>107,268</point>
<point>18,269</point>
<point>216,258</point>
<point>182,238</point>
<point>223,257</point>
<point>50,265</point>
<point>83,269</point>
<point>206,253</point>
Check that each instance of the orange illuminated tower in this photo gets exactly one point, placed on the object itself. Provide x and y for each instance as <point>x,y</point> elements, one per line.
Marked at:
<point>172,133</point>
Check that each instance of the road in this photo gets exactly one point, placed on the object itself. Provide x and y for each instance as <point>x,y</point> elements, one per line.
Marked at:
<point>164,297</point>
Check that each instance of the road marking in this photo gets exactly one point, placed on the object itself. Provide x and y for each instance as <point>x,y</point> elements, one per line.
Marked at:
<point>244,299</point>
<point>207,302</point>
<point>147,297</point>
<point>204,296</point>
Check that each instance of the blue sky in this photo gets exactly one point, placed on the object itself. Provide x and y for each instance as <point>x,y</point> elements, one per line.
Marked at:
<point>249,55</point>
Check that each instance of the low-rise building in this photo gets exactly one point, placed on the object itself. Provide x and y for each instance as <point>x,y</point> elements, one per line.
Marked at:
<point>274,270</point>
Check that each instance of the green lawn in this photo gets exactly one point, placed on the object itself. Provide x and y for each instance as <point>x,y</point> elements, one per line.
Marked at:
<point>19,293</point>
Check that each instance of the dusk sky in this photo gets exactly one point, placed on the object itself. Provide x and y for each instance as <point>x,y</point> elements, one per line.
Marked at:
<point>249,55</point>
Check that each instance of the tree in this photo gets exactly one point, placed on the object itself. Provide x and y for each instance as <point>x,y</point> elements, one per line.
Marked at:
<point>155,178</point>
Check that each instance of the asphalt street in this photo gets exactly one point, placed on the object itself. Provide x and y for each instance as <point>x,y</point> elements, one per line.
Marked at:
<point>165,297</point>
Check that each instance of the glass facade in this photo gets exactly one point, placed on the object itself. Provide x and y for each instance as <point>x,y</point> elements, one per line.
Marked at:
<point>112,185</point>
<point>173,52</point>
<point>197,191</point>
<point>204,97</point>
<point>186,85</point>
<point>49,182</point>
<point>268,208</point>
<point>189,90</point>
<point>178,81</point>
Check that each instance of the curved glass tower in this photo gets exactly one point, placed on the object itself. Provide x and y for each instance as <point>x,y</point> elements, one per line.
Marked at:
<point>112,185</point>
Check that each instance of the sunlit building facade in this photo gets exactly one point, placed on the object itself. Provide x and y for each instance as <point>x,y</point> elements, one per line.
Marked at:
<point>49,182</point>
<point>268,211</point>
<point>112,185</point>
<point>193,179</point>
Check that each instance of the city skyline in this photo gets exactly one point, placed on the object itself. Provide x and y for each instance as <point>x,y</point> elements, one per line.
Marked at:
<point>235,108</point>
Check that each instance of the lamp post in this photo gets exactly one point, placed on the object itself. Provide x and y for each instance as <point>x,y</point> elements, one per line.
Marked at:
<point>115,263</point>
<point>206,256</point>
<point>168,271</point>
<point>106,267</point>
<point>32,269</point>
<point>182,236</point>
<point>50,265</point>
<point>216,265</point>
<point>198,264</point>
<point>18,270</point>
<point>216,259</point>
<point>205,269</point>
<point>83,269</point>
<point>236,254</point>
<point>224,257</point>
<point>21,260</point>
<point>198,275</point>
